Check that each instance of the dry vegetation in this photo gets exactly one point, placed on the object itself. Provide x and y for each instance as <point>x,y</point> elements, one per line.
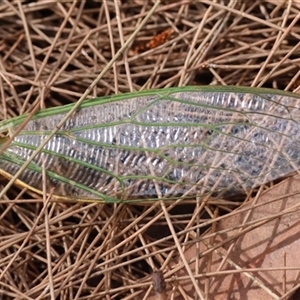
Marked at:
<point>50,52</point>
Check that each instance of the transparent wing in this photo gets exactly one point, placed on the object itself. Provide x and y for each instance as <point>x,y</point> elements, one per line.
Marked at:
<point>161,144</point>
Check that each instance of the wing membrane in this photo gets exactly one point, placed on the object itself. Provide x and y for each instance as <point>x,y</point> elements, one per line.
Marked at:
<point>161,144</point>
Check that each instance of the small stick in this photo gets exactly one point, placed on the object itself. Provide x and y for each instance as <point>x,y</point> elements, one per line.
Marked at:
<point>159,285</point>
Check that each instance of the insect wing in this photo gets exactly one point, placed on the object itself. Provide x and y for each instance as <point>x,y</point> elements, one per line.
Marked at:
<point>160,144</point>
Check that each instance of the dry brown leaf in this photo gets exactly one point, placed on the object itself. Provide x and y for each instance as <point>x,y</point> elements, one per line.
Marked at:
<point>270,238</point>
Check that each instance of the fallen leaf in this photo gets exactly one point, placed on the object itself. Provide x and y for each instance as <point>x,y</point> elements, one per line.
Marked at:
<point>258,245</point>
